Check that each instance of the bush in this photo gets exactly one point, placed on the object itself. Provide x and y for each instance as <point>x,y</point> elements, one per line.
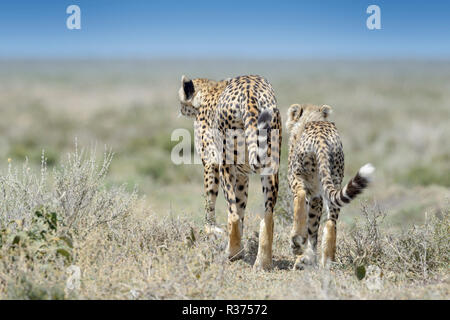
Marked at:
<point>45,219</point>
<point>363,245</point>
<point>40,238</point>
<point>415,253</point>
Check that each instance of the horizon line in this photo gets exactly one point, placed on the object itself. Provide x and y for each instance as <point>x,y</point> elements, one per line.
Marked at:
<point>221,58</point>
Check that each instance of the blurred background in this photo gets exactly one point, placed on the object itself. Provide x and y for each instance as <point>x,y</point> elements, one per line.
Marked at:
<point>114,82</point>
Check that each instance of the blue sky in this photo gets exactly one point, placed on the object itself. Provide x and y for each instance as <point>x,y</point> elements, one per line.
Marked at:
<point>225,29</point>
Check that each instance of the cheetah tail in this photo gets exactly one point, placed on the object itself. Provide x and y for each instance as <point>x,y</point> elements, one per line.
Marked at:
<point>264,121</point>
<point>354,187</point>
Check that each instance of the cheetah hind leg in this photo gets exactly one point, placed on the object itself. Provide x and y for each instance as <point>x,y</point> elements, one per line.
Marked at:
<point>264,256</point>
<point>211,185</point>
<point>299,233</point>
<point>228,181</point>
<point>309,256</point>
<point>329,239</point>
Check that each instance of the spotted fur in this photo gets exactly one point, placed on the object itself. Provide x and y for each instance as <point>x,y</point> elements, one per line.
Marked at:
<point>316,170</point>
<point>238,131</point>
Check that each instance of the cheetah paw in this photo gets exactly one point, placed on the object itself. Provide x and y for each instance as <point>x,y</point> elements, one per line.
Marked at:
<point>303,261</point>
<point>235,254</point>
<point>297,244</point>
<point>262,266</point>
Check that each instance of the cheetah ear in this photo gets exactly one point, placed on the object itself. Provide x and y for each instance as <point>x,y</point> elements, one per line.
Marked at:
<point>294,110</point>
<point>326,110</point>
<point>188,87</point>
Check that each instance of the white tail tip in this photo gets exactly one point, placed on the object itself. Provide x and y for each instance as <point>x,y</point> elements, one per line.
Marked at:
<point>366,171</point>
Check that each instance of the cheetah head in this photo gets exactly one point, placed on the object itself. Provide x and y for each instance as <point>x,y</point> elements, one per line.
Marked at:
<point>299,114</point>
<point>195,93</point>
<point>188,96</point>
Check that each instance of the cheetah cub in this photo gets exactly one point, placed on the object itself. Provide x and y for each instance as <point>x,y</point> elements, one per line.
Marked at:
<point>316,170</point>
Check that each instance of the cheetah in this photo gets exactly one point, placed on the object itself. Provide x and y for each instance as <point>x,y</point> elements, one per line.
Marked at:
<point>315,173</point>
<point>237,128</point>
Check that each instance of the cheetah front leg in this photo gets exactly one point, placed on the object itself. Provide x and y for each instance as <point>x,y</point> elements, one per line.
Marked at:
<point>270,190</point>
<point>228,182</point>
<point>211,184</point>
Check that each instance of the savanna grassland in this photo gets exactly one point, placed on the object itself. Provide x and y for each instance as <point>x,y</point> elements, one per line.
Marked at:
<point>91,206</point>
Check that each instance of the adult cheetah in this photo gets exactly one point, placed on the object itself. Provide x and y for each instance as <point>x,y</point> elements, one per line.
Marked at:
<point>315,172</point>
<point>237,130</point>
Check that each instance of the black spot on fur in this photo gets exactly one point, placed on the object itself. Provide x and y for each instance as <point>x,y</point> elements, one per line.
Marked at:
<point>264,117</point>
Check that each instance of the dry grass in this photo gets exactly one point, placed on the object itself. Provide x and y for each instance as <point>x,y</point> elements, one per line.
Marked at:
<point>124,251</point>
<point>109,241</point>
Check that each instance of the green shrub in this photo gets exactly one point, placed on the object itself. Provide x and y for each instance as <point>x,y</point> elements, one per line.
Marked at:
<point>37,238</point>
